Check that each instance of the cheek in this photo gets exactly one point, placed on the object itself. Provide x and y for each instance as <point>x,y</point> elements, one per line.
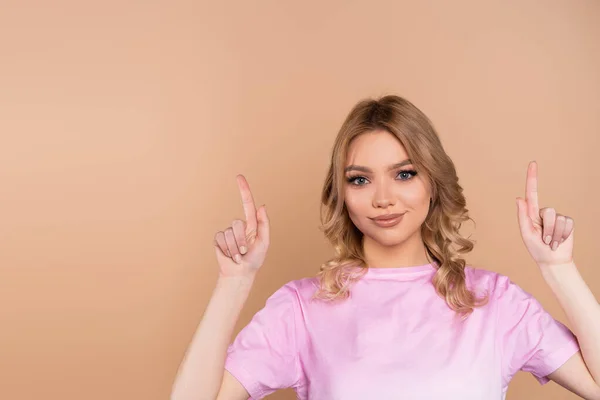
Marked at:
<point>418,197</point>
<point>357,202</point>
<point>358,207</point>
<point>417,201</point>
<point>349,201</point>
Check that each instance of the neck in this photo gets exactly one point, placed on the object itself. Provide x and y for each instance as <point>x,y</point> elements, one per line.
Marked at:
<point>409,253</point>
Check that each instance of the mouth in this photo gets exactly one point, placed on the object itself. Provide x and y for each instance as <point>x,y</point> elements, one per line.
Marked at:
<point>388,220</point>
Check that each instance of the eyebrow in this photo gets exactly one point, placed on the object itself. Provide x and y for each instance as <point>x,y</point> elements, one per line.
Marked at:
<point>366,169</point>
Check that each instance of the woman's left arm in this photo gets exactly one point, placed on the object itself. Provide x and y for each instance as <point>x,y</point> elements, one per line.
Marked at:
<point>548,237</point>
<point>581,374</point>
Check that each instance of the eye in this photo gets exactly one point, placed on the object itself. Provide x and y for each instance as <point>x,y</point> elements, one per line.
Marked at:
<point>406,175</point>
<point>356,180</point>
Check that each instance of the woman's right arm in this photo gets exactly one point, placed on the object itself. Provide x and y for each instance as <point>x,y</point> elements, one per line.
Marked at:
<point>241,250</point>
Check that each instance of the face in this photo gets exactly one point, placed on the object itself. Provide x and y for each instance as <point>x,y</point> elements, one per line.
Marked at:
<point>381,181</point>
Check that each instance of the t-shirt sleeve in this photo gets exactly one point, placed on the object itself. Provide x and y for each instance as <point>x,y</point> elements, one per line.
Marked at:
<point>264,357</point>
<point>531,339</point>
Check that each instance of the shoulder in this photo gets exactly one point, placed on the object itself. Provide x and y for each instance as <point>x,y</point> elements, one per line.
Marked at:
<point>286,302</point>
<point>483,277</point>
<point>296,291</point>
<point>497,285</point>
<point>303,284</point>
<point>509,298</point>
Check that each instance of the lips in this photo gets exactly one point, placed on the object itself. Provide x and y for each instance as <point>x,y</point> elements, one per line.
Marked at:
<point>386,217</point>
<point>387,220</point>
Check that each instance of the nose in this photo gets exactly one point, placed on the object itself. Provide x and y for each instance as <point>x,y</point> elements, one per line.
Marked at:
<point>382,198</point>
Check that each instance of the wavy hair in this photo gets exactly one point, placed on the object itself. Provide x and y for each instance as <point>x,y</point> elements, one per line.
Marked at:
<point>440,231</point>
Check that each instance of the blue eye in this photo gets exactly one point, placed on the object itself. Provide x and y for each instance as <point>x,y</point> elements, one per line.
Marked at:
<point>354,180</point>
<point>408,174</point>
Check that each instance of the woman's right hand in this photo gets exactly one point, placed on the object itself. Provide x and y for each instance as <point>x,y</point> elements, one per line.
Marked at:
<point>241,248</point>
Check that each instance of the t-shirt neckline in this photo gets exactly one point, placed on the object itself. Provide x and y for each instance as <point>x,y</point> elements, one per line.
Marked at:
<point>400,272</point>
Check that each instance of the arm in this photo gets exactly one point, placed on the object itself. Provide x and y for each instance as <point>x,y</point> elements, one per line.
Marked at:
<point>201,373</point>
<point>549,238</point>
<point>240,250</point>
<point>581,374</point>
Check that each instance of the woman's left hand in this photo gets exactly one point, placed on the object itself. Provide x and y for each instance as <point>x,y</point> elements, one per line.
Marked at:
<point>547,235</point>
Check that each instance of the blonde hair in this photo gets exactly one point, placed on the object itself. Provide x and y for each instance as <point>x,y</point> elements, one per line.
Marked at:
<point>440,231</point>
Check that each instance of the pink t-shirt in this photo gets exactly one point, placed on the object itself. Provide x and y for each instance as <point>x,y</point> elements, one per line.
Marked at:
<point>395,338</point>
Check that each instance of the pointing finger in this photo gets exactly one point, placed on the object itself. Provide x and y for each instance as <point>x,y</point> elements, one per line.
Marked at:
<point>249,206</point>
<point>531,192</point>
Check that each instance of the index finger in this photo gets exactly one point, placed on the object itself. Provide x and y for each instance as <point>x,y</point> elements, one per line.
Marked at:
<point>247,203</point>
<point>531,191</point>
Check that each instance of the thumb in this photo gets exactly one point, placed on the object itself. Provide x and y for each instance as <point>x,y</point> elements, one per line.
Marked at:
<point>263,225</point>
<point>525,223</point>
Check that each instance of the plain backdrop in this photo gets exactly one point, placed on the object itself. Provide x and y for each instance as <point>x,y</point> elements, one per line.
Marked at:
<point>123,125</point>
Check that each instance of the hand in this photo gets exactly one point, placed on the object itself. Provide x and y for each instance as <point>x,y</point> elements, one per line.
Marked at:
<point>547,235</point>
<point>241,248</point>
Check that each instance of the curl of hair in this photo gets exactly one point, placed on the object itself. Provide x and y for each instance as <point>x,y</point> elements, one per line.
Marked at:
<point>444,244</point>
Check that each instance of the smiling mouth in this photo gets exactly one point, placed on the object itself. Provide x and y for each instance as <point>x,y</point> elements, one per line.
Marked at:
<point>386,221</point>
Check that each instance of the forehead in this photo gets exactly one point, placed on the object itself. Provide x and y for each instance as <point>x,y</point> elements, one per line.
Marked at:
<point>377,148</point>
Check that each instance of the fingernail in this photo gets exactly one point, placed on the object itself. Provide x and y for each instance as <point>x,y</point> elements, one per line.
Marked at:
<point>548,239</point>
<point>554,245</point>
<point>243,249</point>
<point>237,258</point>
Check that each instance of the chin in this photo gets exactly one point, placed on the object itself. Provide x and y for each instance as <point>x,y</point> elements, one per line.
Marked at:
<point>390,243</point>
<point>388,240</point>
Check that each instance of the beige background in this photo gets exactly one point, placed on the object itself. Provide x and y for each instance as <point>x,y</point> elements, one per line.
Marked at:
<point>123,125</point>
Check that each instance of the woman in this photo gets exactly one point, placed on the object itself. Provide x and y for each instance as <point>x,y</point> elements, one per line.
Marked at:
<point>396,314</point>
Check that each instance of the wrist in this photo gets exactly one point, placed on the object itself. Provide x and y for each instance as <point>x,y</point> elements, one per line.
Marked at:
<point>237,281</point>
<point>233,292</point>
<point>557,272</point>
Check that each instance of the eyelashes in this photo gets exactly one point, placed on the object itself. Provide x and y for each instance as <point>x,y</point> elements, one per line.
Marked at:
<point>355,179</point>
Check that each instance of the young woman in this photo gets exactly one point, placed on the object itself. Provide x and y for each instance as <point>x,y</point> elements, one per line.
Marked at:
<point>396,314</point>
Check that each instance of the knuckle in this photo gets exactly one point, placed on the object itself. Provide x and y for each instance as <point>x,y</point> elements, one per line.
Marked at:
<point>238,226</point>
